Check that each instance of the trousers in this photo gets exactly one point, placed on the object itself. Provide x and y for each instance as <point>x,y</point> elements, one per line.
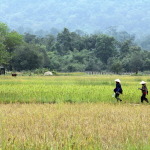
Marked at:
<point>143,97</point>
<point>117,97</point>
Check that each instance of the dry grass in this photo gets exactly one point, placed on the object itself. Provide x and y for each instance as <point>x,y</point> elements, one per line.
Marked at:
<point>74,126</point>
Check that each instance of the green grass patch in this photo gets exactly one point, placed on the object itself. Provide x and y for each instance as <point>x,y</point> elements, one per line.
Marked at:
<point>73,89</point>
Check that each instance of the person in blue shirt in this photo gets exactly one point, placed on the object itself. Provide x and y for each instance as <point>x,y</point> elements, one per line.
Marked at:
<point>118,90</point>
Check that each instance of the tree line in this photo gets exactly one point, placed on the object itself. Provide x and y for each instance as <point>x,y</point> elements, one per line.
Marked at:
<point>72,51</point>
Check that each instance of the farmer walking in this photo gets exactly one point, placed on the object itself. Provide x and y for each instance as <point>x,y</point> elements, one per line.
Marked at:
<point>118,90</point>
<point>144,91</point>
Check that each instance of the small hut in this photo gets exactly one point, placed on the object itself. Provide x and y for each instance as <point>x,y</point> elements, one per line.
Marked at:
<point>2,70</point>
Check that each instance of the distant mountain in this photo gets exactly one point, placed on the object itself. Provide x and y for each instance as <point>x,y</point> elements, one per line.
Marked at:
<point>132,16</point>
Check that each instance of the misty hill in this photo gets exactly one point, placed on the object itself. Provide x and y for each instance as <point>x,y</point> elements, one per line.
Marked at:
<point>132,16</point>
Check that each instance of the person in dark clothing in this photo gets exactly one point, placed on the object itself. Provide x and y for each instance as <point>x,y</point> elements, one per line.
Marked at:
<point>144,92</point>
<point>118,90</point>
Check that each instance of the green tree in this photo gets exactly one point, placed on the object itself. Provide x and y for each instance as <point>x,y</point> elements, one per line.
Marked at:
<point>4,55</point>
<point>136,62</point>
<point>29,38</point>
<point>3,29</point>
<point>125,48</point>
<point>105,47</point>
<point>27,57</point>
<point>64,42</point>
<point>146,64</point>
<point>55,61</point>
<point>74,67</point>
<point>76,41</point>
<point>90,41</point>
<point>44,55</point>
<point>115,65</point>
<point>50,42</point>
<point>12,40</point>
<point>94,64</point>
<point>146,60</point>
<point>126,63</point>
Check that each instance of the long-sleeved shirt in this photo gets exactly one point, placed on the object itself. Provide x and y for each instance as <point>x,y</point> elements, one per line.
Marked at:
<point>144,89</point>
<point>118,88</point>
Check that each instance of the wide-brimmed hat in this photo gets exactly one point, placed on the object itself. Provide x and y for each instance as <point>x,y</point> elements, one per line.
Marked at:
<point>143,82</point>
<point>117,80</point>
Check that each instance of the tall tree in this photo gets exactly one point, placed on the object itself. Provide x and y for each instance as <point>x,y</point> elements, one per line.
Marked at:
<point>4,55</point>
<point>115,65</point>
<point>136,62</point>
<point>12,40</point>
<point>105,47</point>
<point>124,48</point>
<point>27,57</point>
<point>3,29</point>
<point>50,42</point>
<point>64,42</point>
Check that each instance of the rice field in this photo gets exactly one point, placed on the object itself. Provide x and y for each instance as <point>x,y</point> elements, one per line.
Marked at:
<point>72,113</point>
<point>59,89</point>
<point>85,126</point>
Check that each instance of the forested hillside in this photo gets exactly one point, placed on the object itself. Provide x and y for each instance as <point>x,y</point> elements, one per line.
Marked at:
<point>89,16</point>
<point>70,52</point>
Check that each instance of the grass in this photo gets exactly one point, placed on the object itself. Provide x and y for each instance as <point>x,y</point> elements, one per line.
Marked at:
<point>75,126</point>
<point>72,113</point>
<point>59,89</point>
